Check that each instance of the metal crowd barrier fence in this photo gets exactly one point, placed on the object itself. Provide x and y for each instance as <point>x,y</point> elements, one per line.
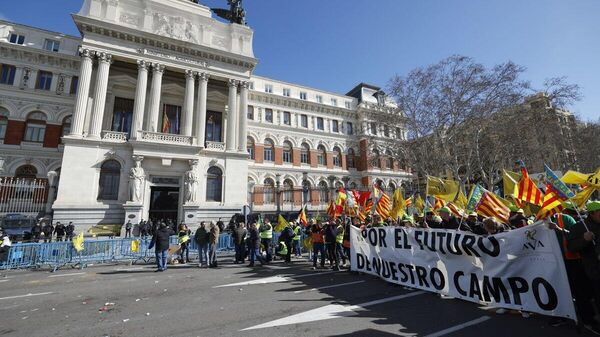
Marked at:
<point>60,254</point>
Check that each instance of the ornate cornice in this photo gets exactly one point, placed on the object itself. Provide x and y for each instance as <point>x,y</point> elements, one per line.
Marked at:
<point>289,102</point>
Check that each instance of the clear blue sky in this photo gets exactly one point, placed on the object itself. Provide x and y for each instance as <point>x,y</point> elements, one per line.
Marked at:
<point>335,44</point>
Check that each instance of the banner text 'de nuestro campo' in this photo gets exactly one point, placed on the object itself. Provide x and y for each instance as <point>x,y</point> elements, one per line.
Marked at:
<point>520,269</point>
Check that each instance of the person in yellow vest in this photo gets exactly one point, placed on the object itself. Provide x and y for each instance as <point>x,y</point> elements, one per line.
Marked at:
<point>339,240</point>
<point>183,238</point>
<point>296,240</point>
<point>266,235</point>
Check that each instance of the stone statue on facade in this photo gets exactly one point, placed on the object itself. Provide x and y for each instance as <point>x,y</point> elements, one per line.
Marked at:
<point>136,180</point>
<point>192,180</point>
<point>235,13</point>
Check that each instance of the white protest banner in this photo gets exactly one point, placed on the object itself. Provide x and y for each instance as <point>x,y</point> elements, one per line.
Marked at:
<point>521,269</point>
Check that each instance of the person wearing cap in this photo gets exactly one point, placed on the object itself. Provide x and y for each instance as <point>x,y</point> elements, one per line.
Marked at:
<point>476,226</point>
<point>407,221</point>
<point>428,219</point>
<point>579,282</point>
<point>449,221</point>
<point>516,217</point>
<point>583,239</point>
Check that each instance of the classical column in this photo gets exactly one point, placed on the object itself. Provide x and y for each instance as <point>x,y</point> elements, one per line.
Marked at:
<point>243,116</point>
<point>104,61</point>
<point>231,115</point>
<point>83,92</point>
<point>188,103</point>
<point>140,98</point>
<point>201,108</point>
<point>155,91</point>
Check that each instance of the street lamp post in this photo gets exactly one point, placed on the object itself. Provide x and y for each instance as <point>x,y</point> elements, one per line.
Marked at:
<point>332,180</point>
<point>278,191</point>
<point>304,188</point>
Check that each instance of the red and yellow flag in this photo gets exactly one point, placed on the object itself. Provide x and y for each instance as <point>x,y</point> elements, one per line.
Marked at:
<point>528,191</point>
<point>383,205</point>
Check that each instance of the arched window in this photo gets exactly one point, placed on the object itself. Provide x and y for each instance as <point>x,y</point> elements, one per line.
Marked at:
<point>269,191</point>
<point>26,171</point>
<point>214,184</point>
<point>321,155</point>
<point>36,127</point>
<point>288,191</point>
<point>3,122</point>
<point>66,126</point>
<point>110,176</point>
<point>304,153</point>
<point>337,157</point>
<point>287,152</point>
<point>323,191</point>
<point>268,152</point>
<point>250,147</point>
<point>350,158</point>
<point>376,159</point>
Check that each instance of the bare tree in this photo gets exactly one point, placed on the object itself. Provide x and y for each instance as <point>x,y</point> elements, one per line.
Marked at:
<point>446,105</point>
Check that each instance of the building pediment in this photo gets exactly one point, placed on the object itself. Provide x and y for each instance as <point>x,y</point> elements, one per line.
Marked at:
<point>177,26</point>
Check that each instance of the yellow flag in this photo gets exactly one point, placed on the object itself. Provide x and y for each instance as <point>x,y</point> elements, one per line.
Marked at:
<point>78,242</point>
<point>510,183</point>
<point>135,246</point>
<point>461,200</point>
<point>399,205</point>
<point>442,188</point>
<point>582,196</point>
<point>419,203</point>
<point>281,224</point>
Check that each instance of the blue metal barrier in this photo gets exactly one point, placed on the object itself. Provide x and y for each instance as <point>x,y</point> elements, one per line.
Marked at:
<point>59,254</point>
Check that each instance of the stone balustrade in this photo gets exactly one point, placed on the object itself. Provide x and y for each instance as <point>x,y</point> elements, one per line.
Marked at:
<point>114,136</point>
<point>165,138</point>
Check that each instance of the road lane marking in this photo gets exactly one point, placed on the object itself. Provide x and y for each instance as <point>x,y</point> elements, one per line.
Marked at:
<point>26,295</point>
<point>272,279</point>
<point>327,287</point>
<point>4,281</point>
<point>459,327</point>
<point>328,312</point>
<point>65,275</point>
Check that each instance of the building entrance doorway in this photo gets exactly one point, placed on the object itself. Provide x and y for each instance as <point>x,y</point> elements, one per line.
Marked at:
<point>164,203</point>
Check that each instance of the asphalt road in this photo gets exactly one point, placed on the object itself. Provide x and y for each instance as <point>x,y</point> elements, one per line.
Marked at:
<point>234,300</point>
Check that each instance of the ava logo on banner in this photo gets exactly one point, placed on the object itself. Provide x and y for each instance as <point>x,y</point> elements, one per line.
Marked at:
<point>522,269</point>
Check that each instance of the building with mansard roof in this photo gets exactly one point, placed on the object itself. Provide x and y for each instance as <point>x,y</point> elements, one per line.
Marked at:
<point>154,112</point>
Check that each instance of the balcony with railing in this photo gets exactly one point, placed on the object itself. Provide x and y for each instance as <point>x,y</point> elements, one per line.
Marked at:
<point>215,146</point>
<point>114,136</point>
<point>164,138</point>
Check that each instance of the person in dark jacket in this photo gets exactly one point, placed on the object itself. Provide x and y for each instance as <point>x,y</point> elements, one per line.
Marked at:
<point>70,230</point>
<point>449,221</point>
<point>239,239</point>
<point>287,236</point>
<point>160,241</point>
<point>331,233</point>
<point>48,229</point>
<point>60,231</point>
<point>36,232</point>
<point>201,237</point>
<point>254,245</point>
<point>583,238</point>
